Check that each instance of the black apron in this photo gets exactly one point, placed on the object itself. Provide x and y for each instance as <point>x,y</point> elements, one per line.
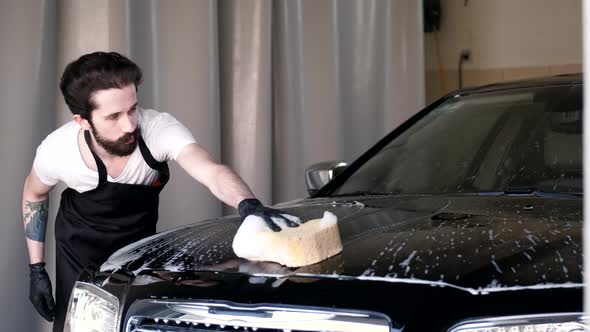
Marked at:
<point>92,225</point>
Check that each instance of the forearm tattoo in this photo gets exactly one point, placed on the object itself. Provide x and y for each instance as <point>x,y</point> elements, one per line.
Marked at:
<point>35,219</point>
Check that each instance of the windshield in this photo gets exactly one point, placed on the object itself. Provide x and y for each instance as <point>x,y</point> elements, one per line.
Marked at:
<point>527,139</point>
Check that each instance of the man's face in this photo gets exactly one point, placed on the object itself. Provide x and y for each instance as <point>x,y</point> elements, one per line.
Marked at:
<point>114,120</point>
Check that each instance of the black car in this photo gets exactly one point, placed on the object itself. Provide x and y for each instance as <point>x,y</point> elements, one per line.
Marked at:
<point>467,217</point>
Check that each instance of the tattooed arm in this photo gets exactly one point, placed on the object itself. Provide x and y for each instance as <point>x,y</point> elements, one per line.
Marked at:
<point>35,213</point>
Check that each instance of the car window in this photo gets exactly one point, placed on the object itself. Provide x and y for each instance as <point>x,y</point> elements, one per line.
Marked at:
<point>485,142</point>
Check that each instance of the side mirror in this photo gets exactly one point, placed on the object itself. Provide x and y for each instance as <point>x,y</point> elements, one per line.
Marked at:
<point>318,175</point>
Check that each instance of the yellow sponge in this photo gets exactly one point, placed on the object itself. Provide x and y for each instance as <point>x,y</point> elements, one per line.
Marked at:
<point>311,242</point>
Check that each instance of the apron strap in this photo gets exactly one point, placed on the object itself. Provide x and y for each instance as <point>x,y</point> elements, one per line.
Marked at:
<point>149,159</point>
<point>102,170</point>
<point>160,166</point>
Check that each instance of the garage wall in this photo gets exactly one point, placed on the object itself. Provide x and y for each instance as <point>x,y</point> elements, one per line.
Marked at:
<point>508,40</point>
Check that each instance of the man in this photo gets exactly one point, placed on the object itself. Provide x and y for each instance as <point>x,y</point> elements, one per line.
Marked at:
<point>112,157</point>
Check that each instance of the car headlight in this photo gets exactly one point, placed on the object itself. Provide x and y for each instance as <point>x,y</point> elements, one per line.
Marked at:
<point>92,309</point>
<point>563,322</point>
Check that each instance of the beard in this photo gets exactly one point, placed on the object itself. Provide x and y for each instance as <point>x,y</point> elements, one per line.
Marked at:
<point>118,147</point>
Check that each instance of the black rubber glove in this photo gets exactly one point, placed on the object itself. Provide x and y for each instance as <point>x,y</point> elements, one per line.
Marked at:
<point>252,206</point>
<point>40,291</point>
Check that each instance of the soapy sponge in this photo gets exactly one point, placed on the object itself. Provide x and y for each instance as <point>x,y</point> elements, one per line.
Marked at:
<point>311,242</point>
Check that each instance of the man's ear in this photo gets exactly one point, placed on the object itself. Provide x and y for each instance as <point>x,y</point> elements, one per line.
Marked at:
<point>82,122</point>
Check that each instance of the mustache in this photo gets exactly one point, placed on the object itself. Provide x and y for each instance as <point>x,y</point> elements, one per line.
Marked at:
<point>125,138</point>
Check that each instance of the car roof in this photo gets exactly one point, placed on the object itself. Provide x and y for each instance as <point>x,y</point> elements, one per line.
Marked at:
<point>566,79</point>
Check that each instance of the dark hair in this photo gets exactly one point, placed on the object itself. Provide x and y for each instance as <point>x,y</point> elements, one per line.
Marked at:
<point>92,72</point>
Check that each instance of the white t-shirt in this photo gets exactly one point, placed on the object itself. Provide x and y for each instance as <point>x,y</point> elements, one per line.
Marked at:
<point>58,156</point>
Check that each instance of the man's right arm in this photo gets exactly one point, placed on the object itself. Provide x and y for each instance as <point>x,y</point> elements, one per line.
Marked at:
<point>35,213</point>
<point>35,207</point>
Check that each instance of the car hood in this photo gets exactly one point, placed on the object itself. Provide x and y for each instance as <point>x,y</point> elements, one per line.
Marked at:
<point>469,242</point>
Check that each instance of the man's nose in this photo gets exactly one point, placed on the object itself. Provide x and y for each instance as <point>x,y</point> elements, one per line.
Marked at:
<point>128,123</point>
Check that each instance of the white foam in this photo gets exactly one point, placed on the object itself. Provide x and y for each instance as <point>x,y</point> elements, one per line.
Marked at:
<point>280,222</point>
<point>243,242</point>
<point>492,288</point>
<point>132,251</point>
<point>328,219</point>
<point>294,219</point>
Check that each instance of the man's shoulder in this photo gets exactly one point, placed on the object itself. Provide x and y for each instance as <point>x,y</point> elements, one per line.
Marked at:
<point>163,134</point>
<point>65,134</point>
<point>56,155</point>
<point>151,119</point>
<point>149,115</point>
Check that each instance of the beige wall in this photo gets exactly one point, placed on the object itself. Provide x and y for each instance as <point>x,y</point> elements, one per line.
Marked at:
<point>508,40</point>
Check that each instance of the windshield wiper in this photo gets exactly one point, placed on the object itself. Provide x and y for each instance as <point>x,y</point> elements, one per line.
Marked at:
<point>365,193</point>
<point>510,191</point>
<point>533,191</point>
<point>523,191</point>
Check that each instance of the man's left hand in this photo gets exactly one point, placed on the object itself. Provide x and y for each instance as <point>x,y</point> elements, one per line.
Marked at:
<point>271,217</point>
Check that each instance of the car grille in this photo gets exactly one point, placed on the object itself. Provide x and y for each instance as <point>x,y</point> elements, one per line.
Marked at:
<point>206,316</point>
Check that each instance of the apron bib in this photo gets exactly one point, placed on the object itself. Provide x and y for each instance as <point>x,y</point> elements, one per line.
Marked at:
<point>92,225</point>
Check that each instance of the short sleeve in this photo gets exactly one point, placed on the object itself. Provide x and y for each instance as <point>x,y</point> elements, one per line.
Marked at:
<point>165,136</point>
<point>43,165</point>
